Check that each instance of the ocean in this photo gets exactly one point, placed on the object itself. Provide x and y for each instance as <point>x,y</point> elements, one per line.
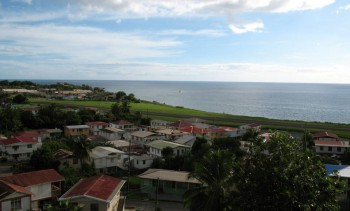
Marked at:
<point>287,101</point>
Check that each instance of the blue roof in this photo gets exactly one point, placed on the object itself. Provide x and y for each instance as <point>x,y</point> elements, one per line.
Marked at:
<point>343,170</point>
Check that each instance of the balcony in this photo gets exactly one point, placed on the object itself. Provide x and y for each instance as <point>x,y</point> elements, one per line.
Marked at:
<point>55,191</point>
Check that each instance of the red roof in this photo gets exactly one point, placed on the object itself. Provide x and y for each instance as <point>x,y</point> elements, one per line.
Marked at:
<point>180,124</point>
<point>325,134</point>
<point>34,178</point>
<point>96,123</point>
<point>329,143</point>
<point>101,187</point>
<point>11,188</point>
<point>193,129</point>
<point>18,139</point>
<point>32,133</point>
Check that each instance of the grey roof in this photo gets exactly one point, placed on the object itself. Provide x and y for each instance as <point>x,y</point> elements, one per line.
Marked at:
<point>185,139</point>
<point>112,130</point>
<point>56,130</point>
<point>161,144</point>
<point>100,152</point>
<point>168,175</point>
<point>142,134</point>
<point>121,143</point>
<point>77,126</point>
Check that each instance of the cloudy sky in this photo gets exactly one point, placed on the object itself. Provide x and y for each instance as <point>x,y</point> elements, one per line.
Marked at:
<point>192,40</point>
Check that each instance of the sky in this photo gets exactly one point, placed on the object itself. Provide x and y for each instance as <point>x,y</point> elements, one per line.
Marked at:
<point>299,41</point>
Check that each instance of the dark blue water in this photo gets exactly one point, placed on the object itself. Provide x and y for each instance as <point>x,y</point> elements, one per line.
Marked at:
<point>309,102</point>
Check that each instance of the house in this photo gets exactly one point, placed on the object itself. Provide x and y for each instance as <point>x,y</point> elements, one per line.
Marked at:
<point>195,131</point>
<point>97,193</point>
<point>14,197</point>
<point>76,130</point>
<point>43,185</point>
<point>179,124</point>
<point>325,136</point>
<point>156,147</point>
<point>170,185</point>
<point>144,137</point>
<point>158,124</point>
<point>265,137</point>
<point>18,148</point>
<point>122,124</point>
<point>186,140</point>
<point>342,171</point>
<point>331,147</point>
<point>244,128</point>
<point>142,162</point>
<point>55,133</point>
<point>95,127</point>
<point>107,159</point>
<point>66,159</point>
<point>123,145</point>
<point>170,134</point>
<point>39,135</point>
<point>231,131</point>
<point>112,133</point>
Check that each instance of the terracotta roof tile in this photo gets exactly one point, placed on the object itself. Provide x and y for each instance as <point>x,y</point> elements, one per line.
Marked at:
<point>101,187</point>
<point>34,178</point>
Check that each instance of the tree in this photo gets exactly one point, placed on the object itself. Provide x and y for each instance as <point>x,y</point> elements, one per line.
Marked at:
<point>64,205</point>
<point>252,135</point>
<point>307,140</point>
<point>214,171</point>
<point>10,120</point>
<point>120,95</point>
<point>280,175</point>
<point>81,148</point>
<point>20,99</point>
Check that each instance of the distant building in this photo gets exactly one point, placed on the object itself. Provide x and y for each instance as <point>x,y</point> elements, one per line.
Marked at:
<point>122,124</point>
<point>144,137</point>
<point>142,161</point>
<point>331,147</point>
<point>112,133</point>
<point>107,159</point>
<point>18,148</point>
<point>155,148</point>
<point>95,127</point>
<point>325,136</point>
<point>76,130</point>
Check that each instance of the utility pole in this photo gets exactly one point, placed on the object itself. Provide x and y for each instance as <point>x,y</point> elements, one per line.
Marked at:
<point>157,187</point>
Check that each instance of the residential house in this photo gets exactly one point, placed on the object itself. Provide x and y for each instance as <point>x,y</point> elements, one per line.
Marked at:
<point>33,109</point>
<point>331,147</point>
<point>244,128</point>
<point>179,124</point>
<point>124,145</point>
<point>55,133</point>
<point>44,186</point>
<point>122,124</point>
<point>170,185</point>
<point>195,131</point>
<point>265,137</point>
<point>107,159</point>
<point>158,124</point>
<point>14,197</point>
<point>76,130</point>
<point>342,171</point>
<point>170,134</point>
<point>155,148</point>
<point>112,133</point>
<point>142,162</point>
<point>18,148</point>
<point>325,136</point>
<point>97,193</point>
<point>186,140</point>
<point>66,159</point>
<point>144,137</point>
<point>231,131</point>
<point>39,135</point>
<point>95,127</point>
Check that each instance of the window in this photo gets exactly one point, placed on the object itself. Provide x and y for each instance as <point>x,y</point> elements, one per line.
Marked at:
<point>94,207</point>
<point>137,162</point>
<point>339,149</point>
<point>144,162</point>
<point>16,204</point>
<point>330,149</point>
<point>29,146</point>
<point>321,148</point>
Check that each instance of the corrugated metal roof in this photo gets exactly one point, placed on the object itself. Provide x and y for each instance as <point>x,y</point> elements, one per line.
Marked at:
<point>168,175</point>
<point>161,144</point>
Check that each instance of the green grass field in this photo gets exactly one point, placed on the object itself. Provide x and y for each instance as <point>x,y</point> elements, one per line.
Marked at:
<point>167,112</point>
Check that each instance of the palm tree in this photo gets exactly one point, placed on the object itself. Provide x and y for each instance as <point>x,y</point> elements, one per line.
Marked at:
<point>214,171</point>
<point>81,148</point>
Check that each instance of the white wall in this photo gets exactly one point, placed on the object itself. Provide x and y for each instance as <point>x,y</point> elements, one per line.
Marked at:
<point>40,191</point>
<point>25,204</point>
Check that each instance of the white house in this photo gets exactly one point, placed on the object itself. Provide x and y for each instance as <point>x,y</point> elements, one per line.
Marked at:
<point>157,123</point>
<point>95,127</point>
<point>142,161</point>
<point>108,158</point>
<point>18,148</point>
<point>14,197</point>
<point>111,133</point>
<point>122,124</point>
<point>43,186</point>
<point>144,137</point>
<point>97,193</point>
<point>170,134</point>
<point>156,147</point>
<point>331,147</point>
<point>244,128</point>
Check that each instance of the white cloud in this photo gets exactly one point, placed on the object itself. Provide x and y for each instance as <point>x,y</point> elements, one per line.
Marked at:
<point>16,17</point>
<point>247,27</point>
<point>343,8</point>
<point>80,45</point>
<point>23,1</point>
<point>203,32</point>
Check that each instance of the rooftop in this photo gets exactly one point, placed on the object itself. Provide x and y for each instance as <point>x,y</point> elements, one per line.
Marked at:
<point>96,123</point>
<point>77,126</point>
<point>101,187</point>
<point>331,143</point>
<point>325,134</point>
<point>18,139</point>
<point>342,170</point>
<point>34,178</point>
<point>112,130</point>
<point>168,175</point>
<point>161,144</point>
<point>142,134</point>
